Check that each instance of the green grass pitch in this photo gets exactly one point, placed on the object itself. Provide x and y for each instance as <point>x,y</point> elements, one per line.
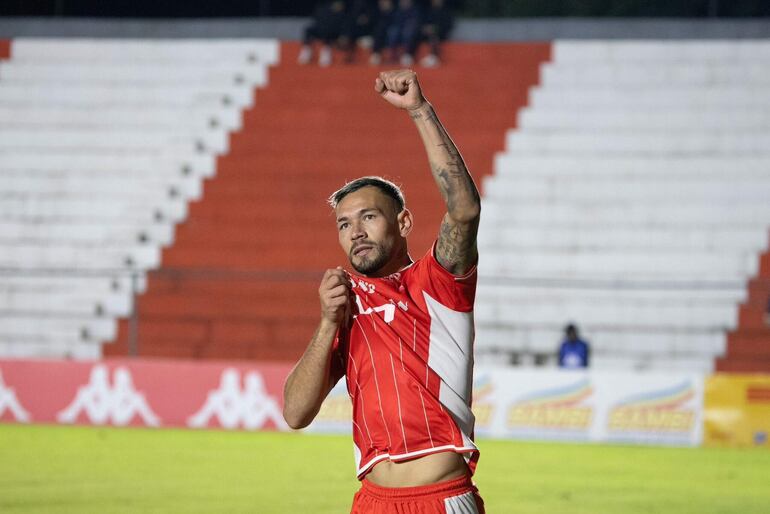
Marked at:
<point>52,470</point>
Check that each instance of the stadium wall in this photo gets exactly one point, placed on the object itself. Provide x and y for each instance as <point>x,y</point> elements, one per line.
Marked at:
<point>486,30</point>
<point>567,406</point>
<point>578,406</point>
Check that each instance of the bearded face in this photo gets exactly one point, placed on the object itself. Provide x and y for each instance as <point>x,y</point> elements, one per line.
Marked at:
<point>371,232</point>
<point>367,257</point>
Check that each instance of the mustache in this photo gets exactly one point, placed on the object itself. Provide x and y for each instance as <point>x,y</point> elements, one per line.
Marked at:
<point>359,245</point>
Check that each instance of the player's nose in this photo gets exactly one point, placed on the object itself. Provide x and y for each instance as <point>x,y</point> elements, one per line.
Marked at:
<point>357,232</point>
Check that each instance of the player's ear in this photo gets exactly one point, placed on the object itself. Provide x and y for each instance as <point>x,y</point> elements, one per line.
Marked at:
<point>404,222</point>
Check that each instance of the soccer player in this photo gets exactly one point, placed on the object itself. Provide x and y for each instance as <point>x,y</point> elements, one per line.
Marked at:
<point>401,331</point>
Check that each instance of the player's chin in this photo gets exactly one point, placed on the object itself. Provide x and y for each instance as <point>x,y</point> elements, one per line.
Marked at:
<point>365,265</point>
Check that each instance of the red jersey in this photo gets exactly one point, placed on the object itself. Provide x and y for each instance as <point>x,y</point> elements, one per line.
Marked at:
<point>408,359</point>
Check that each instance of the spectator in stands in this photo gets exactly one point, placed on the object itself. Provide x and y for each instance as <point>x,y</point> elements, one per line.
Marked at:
<point>574,352</point>
<point>360,22</point>
<point>385,14</point>
<point>399,30</point>
<point>436,26</point>
<point>327,25</point>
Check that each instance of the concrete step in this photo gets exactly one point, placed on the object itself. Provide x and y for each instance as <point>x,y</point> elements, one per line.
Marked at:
<point>569,264</point>
<point>578,117</point>
<point>48,328</point>
<point>82,208</point>
<point>59,348</point>
<point>194,118</point>
<point>94,233</point>
<point>77,257</point>
<point>79,160</point>
<point>632,75</point>
<point>510,237</point>
<point>674,166</point>
<point>74,185</point>
<point>707,189</point>
<point>660,98</point>
<point>653,143</point>
<point>604,340</point>
<point>146,50</point>
<point>123,74</point>
<point>210,141</point>
<point>71,303</point>
<point>53,282</point>
<point>144,97</point>
<point>651,52</point>
<point>619,213</point>
<point>629,314</point>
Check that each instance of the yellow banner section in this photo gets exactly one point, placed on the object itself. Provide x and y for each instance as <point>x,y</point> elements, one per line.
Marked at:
<point>737,410</point>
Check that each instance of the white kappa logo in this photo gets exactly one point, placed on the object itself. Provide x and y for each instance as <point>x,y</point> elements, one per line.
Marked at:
<point>103,403</point>
<point>9,401</point>
<point>252,407</point>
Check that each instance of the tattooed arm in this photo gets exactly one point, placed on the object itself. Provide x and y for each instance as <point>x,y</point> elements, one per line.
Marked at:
<point>456,247</point>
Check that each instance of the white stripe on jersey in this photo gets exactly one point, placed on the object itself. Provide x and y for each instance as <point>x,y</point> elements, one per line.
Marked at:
<point>376,383</point>
<point>463,504</point>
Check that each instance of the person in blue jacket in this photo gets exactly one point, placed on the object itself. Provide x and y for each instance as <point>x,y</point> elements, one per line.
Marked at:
<point>574,352</point>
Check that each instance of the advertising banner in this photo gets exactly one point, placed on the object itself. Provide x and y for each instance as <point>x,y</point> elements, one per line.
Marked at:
<point>152,393</point>
<point>633,408</point>
<point>737,410</point>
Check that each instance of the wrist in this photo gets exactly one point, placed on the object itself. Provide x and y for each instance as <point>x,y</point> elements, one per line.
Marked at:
<point>421,110</point>
<point>328,325</point>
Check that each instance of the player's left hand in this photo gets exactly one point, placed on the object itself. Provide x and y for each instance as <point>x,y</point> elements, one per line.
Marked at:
<point>400,88</point>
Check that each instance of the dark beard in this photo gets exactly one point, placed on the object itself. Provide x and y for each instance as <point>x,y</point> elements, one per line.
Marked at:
<point>370,266</point>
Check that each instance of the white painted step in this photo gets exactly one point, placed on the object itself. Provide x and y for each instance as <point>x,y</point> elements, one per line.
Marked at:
<point>674,166</point>
<point>641,143</point>
<point>652,52</point>
<point>146,50</point>
<point>580,117</point>
<point>192,119</point>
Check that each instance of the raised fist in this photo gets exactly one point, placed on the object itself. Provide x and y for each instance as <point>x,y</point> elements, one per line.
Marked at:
<point>400,88</point>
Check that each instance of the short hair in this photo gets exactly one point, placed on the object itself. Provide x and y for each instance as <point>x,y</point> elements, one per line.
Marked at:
<point>385,186</point>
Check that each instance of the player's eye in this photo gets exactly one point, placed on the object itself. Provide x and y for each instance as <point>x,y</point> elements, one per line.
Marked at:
<point>369,216</point>
<point>342,226</point>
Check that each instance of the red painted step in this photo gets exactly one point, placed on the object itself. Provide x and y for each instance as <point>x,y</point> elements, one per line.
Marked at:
<point>736,365</point>
<point>764,265</point>
<point>5,49</point>
<point>748,347</point>
<point>749,343</point>
<point>240,281</point>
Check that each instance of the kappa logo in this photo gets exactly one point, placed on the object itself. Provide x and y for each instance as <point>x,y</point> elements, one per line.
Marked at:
<point>250,407</point>
<point>9,402</point>
<point>104,403</point>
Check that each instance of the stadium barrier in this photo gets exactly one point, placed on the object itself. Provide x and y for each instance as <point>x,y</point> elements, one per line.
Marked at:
<point>630,408</point>
<point>153,393</point>
<point>737,410</point>
<point>576,406</point>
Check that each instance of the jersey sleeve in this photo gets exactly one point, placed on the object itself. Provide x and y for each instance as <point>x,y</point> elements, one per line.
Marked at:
<point>455,292</point>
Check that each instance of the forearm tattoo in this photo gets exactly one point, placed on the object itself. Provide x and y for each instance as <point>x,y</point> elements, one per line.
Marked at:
<point>456,247</point>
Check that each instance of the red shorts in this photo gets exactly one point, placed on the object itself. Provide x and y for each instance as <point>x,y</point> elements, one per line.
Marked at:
<point>456,496</point>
